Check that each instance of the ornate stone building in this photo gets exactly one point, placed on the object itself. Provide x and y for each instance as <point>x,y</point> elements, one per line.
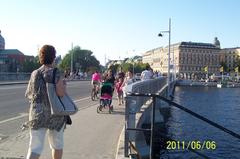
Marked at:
<point>190,58</point>
<point>147,58</point>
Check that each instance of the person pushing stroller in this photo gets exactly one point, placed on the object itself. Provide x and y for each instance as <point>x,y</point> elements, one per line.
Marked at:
<point>106,92</point>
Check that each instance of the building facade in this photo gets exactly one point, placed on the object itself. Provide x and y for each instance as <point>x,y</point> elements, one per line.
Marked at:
<point>11,60</point>
<point>147,58</point>
<point>191,59</point>
<point>230,57</point>
<point>2,42</point>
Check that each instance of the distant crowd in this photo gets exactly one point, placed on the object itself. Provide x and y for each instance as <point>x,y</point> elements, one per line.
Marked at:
<point>75,75</point>
<point>120,80</point>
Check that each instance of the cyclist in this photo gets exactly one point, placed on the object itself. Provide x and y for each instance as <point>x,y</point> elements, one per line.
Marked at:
<point>96,79</point>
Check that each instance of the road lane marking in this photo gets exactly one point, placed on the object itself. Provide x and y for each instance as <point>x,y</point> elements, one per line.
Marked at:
<point>14,118</point>
<point>7,94</point>
<point>12,87</point>
<point>78,100</point>
<point>81,108</point>
<point>26,114</point>
<point>2,136</point>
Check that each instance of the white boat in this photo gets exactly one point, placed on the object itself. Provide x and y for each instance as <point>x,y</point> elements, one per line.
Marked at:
<point>219,85</point>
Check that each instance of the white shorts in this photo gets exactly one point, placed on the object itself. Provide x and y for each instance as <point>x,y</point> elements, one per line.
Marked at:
<point>37,138</point>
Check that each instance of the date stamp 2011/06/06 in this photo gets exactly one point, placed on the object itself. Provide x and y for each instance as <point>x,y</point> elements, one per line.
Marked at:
<point>194,145</point>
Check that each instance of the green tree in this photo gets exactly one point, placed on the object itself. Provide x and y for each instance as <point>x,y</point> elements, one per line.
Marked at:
<point>225,67</point>
<point>126,67</point>
<point>82,59</point>
<point>237,64</point>
<point>138,67</point>
<point>114,67</point>
<point>30,65</point>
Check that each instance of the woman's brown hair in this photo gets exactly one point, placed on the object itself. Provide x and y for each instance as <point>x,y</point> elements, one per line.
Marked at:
<point>47,54</point>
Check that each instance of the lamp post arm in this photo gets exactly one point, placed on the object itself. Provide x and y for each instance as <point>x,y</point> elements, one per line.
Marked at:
<point>169,47</point>
<point>167,31</point>
<point>72,60</point>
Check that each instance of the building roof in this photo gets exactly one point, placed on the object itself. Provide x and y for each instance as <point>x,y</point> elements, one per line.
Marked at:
<point>184,44</point>
<point>11,52</point>
<point>232,48</point>
<point>198,45</point>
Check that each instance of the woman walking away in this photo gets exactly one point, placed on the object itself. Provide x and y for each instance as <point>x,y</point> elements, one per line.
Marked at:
<point>41,122</point>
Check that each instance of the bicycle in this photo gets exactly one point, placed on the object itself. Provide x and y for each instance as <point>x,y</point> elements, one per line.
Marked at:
<point>94,93</point>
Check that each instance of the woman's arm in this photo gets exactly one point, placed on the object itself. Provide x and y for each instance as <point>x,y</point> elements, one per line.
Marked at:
<point>60,84</point>
<point>33,85</point>
<point>61,87</point>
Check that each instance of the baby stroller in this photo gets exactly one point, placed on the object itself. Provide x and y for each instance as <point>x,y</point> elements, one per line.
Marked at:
<point>106,98</point>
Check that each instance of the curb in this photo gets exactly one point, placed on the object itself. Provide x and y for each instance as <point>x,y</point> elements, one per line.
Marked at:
<point>120,146</point>
<point>13,83</point>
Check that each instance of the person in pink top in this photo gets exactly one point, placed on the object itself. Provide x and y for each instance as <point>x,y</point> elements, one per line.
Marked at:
<point>119,90</point>
<point>96,79</point>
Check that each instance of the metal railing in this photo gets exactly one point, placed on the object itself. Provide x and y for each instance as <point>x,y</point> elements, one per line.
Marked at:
<point>140,129</point>
<point>10,76</point>
<point>134,105</point>
<point>157,95</point>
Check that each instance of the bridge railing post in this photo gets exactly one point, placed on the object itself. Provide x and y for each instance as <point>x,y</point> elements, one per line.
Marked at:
<point>126,136</point>
<point>130,116</point>
<point>134,105</point>
<point>152,128</point>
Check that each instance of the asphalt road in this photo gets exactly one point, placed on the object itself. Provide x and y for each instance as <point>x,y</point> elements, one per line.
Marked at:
<point>14,106</point>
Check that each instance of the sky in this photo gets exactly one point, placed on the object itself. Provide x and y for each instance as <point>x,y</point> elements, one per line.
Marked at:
<point>116,28</point>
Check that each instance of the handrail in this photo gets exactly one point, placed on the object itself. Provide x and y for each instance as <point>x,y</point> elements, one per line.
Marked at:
<point>157,95</point>
<point>189,112</point>
<point>151,86</point>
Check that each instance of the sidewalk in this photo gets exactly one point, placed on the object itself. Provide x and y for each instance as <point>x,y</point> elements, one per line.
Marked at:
<point>91,136</point>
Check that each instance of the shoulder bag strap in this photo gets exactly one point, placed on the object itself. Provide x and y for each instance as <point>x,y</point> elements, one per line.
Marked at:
<point>54,75</point>
<point>41,75</point>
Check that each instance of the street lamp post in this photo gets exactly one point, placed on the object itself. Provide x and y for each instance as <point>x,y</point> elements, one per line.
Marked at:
<point>174,66</point>
<point>72,61</point>
<point>133,67</point>
<point>133,62</point>
<point>169,47</point>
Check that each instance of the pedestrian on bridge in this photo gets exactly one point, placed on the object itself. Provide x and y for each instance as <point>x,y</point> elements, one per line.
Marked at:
<point>146,74</point>
<point>109,78</point>
<point>40,119</point>
<point>129,79</point>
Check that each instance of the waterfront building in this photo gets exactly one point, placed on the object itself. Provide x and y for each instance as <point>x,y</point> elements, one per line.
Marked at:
<point>191,59</point>
<point>11,59</point>
<point>147,57</point>
<point>230,57</point>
